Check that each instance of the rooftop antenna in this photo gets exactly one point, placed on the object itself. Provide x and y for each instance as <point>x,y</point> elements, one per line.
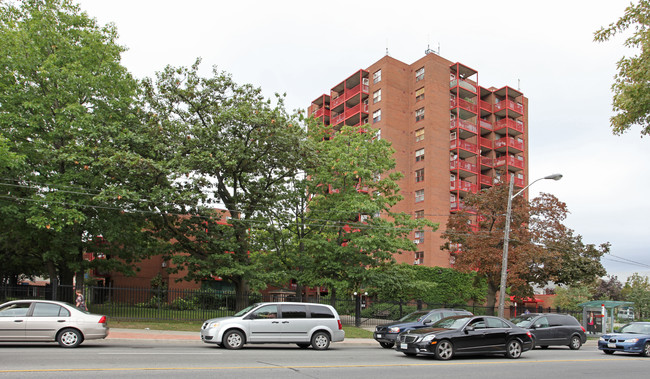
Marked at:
<point>387,53</point>
<point>518,85</point>
<point>438,48</point>
<point>428,50</point>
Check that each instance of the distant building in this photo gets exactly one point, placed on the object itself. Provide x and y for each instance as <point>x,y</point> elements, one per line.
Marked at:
<point>452,135</point>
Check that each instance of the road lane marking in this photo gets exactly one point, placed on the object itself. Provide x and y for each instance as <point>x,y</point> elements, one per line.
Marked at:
<point>224,368</point>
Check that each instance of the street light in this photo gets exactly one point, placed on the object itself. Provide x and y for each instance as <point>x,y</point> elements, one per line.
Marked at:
<point>506,237</point>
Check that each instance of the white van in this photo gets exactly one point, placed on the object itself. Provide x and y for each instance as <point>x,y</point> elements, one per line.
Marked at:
<point>626,313</point>
<point>304,324</point>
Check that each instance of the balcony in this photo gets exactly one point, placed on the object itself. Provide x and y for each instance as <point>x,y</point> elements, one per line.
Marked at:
<point>321,112</point>
<point>510,160</point>
<point>486,180</point>
<point>487,143</point>
<point>461,185</point>
<point>503,105</point>
<point>462,144</point>
<point>351,92</point>
<point>485,125</point>
<point>338,119</point>
<point>487,162</point>
<point>463,125</point>
<point>457,102</point>
<point>514,126</point>
<point>459,164</point>
<point>462,84</point>
<point>485,105</point>
<point>456,206</point>
<point>509,144</point>
<point>335,102</point>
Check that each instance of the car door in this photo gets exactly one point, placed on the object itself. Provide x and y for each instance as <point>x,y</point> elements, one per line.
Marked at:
<point>542,332</point>
<point>295,323</point>
<point>471,338</point>
<point>264,324</point>
<point>12,321</point>
<point>45,321</point>
<point>496,334</point>
<point>560,331</point>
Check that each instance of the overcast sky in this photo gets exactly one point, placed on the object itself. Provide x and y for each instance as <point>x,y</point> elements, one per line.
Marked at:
<point>303,48</point>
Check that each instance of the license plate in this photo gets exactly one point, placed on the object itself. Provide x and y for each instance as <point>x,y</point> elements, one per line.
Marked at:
<point>611,345</point>
<point>378,335</point>
<point>403,346</point>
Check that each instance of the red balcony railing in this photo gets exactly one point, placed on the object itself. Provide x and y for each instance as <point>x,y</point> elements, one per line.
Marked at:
<point>454,102</point>
<point>338,119</point>
<point>462,144</point>
<point>484,142</point>
<point>463,84</point>
<point>513,105</point>
<point>510,160</point>
<point>509,141</point>
<point>509,123</point>
<point>336,101</point>
<point>463,165</point>
<point>462,186</point>
<point>485,161</point>
<point>463,124</point>
<point>485,105</point>
<point>320,112</point>
<point>486,125</point>
<point>486,179</point>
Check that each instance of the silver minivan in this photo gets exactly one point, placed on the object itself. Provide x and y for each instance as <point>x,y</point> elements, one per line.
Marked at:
<point>304,324</point>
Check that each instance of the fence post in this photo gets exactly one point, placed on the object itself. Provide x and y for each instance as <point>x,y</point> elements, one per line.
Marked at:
<point>357,309</point>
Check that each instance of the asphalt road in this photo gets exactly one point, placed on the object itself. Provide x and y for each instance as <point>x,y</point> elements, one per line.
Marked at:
<point>171,359</point>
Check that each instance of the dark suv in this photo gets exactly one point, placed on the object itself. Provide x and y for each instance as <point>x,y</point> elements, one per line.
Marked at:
<point>386,334</point>
<point>553,329</point>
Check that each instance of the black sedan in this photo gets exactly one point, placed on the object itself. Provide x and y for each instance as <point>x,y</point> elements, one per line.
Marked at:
<point>465,335</point>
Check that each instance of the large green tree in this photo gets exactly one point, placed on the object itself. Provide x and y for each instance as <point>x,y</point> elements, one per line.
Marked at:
<point>353,189</point>
<point>539,247</point>
<point>637,289</point>
<point>67,106</point>
<point>233,149</point>
<point>631,91</point>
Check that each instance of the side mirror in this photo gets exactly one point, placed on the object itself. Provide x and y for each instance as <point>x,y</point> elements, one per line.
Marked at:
<point>427,322</point>
<point>469,329</point>
<point>617,330</point>
<point>536,326</point>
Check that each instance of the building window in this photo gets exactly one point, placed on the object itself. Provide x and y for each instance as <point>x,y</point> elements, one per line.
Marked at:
<point>419,175</point>
<point>419,74</point>
<point>419,214</point>
<point>376,96</point>
<point>376,77</point>
<point>419,258</point>
<point>419,236</point>
<point>419,114</point>
<point>376,116</point>
<point>419,94</point>
<point>419,135</point>
<point>419,155</point>
<point>419,196</point>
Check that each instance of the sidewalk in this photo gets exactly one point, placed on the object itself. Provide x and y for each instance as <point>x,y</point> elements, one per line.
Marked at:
<point>172,335</point>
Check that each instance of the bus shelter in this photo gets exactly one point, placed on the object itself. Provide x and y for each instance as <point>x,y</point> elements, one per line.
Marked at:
<point>598,315</point>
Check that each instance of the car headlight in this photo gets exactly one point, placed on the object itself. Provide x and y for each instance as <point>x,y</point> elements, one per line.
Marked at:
<point>602,339</point>
<point>632,340</point>
<point>393,329</point>
<point>428,337</point>
<point>214,325</point>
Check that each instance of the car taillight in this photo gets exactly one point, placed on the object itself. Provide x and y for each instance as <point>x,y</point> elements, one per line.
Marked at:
<point>340,325</point>
<point>583,328</point>
<point>102,320</point>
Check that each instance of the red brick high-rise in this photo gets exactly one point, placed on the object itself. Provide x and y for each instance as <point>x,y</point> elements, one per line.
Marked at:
<point>452,135</point>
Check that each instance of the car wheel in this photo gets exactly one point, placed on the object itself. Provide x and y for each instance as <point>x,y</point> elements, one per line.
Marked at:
<point>69,338</point>
<point>387,345</point>
<point>646,350</point>
<point>233,340</point>
<point>320,341</point>
<point>575,343</point>
<point>303,345</point>
<point>444,350</point>
<point>608,352</point>
<point>513,349</point>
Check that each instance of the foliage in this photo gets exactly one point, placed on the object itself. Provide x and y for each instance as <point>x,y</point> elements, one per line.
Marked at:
<point>608,289</point>
<point>539,245</point>
<point>433,285</point>
<point>68,108</point>
<point>631,92</point>
<point>568,297</point>
<point>637,289</point>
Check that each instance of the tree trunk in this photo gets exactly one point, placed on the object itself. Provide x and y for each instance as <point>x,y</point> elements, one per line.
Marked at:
<point>54,280</point>
<point>242,293</point>
<point>491,298</point>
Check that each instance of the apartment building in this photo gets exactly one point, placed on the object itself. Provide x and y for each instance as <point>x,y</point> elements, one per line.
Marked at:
<point>452,135</point>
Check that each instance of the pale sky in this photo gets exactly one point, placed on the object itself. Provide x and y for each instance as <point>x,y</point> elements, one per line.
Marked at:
<point>303,48</point>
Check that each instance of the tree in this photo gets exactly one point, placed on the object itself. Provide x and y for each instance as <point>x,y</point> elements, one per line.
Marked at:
<point>539,242</point>
<point>631,100</point>
<point>232,149</point>
<point>353,189</point>
<point>608,289</point>
<point>569,297</point>
<point>68,107</point>
<point>637,289</point>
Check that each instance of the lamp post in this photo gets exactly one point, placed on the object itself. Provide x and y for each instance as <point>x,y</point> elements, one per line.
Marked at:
<point>506,237</point>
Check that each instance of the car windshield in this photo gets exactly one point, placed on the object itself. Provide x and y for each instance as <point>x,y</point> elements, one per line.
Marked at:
<point>523,321</point>
<point>636,329</point>
<point>451,322</point>
<point>246,310</point>
<point>415,316</point>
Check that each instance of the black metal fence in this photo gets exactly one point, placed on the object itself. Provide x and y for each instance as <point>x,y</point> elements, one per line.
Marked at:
<point>198,305</point>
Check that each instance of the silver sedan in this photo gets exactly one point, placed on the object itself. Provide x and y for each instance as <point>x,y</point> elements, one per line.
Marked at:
<point>45,321</point>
